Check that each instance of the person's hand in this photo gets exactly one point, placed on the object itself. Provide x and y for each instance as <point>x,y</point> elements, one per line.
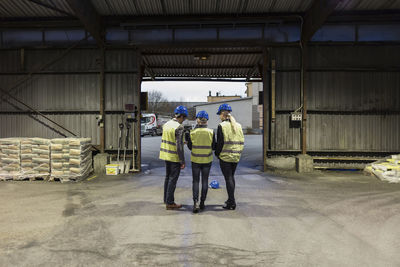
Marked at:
<point>182,166</point>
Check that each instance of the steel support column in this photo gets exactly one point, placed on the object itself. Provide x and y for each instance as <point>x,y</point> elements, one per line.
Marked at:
<point>102,100</point>
<point>303,96</point>
<point>139,90</point>
<point>265,107</point>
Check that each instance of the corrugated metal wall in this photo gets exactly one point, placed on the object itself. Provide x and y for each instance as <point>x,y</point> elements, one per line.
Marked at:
<point>68,91</point>
<point>353,95</point>
<point>353,99</point>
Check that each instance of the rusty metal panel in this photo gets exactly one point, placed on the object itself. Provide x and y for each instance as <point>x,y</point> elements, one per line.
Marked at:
<point>83,125</point>
<point>286,57</point>
<point>285,138</point>
<point>77,60</point>
<point>77,92</point>
<point>354,91</point>
<point>353,56</point>
<point>10,60</point>
<point>287,90</point>
<point>354,132</point>
<point>121,60</point>
<point>120,89</point>
<point>112,132</point>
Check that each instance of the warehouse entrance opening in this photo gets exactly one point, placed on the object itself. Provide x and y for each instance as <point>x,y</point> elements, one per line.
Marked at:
<point>165,96</point>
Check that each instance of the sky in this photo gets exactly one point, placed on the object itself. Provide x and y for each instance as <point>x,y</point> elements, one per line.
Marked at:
<point>194,91</point>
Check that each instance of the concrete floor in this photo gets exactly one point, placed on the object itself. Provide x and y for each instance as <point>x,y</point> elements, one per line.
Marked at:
<point>285,219</point>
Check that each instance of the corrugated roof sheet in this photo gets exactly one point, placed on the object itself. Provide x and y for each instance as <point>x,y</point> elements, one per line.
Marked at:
<point>237,62</point>
<point>368,5</point>
<point>201,72</point>
<point>27,8</point>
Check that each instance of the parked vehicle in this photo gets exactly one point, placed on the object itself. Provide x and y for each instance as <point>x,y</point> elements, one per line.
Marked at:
<point>189,124</point>
<point>151,124</point>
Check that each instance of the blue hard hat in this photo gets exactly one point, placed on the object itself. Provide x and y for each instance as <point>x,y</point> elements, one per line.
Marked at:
<point>214,184</point>
<point>182,110</point>
<point>202,114</point>
<point>224,107</point>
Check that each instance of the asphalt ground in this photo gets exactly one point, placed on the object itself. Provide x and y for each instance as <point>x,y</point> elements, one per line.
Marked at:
<point>282,219</point>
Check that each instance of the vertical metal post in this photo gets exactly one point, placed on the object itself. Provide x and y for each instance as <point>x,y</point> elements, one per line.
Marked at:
<point>140,75</point>
<point>22,59</point>
<point>272,143</point>
<point>102,100</point>
<point>304,99</point>
<point>265,107</point>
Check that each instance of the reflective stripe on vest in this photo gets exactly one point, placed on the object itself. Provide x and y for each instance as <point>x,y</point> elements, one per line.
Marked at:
<point>168,150</point>
<point>201,145</point>
<point>233,142</point>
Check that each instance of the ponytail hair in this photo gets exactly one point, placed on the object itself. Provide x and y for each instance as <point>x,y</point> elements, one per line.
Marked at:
<point>234,124</point>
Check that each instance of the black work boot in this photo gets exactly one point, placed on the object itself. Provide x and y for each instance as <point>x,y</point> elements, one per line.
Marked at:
<point>195,207</point>
<point>202,206</point>
<point>229,205</point>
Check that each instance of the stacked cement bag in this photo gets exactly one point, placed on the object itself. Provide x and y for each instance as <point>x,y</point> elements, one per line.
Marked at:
<point>35,158</point>
<point>71,158</point>
<point>386,170</point>
<point>10,158</point>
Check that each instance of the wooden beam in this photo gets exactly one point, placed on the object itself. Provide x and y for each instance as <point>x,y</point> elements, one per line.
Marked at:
<point>90,19</point>
<point>316,16</point>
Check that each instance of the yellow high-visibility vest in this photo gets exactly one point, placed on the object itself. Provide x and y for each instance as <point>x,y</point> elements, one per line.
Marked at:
<point>168,149</point>
<point>233,142</point>
<point>202,139</point>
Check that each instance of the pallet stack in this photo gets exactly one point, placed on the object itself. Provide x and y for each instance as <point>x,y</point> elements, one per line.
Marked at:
<point>35,159</point>
<point>386,170</point>
<point>10,158</point>
<point>71,159</point>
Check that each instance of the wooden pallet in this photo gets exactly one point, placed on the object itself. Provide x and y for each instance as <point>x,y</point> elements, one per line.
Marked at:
<point>39,178</point>
<point>6,178</point>
<point>62,180</point>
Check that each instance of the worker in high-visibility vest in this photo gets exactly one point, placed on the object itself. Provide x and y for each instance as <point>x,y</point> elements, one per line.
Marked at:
<point>201,142</point>
<point>172,152</point>
<point>230,143</point>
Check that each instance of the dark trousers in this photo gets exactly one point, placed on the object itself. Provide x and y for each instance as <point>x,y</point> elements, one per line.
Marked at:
<point>204,169</point>
<point>173,169</point>
<point>228,170</point>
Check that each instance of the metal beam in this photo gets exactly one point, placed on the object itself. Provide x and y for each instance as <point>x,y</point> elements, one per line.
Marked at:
<point>191,53</point>
<point>197,79</point>
<point>102,100</point>
<point>266,127</point>
<point>303,99</point>
<point>89,17</point>
<point>316,16</point>
<point>377,16</point>
<point>203,67</point>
